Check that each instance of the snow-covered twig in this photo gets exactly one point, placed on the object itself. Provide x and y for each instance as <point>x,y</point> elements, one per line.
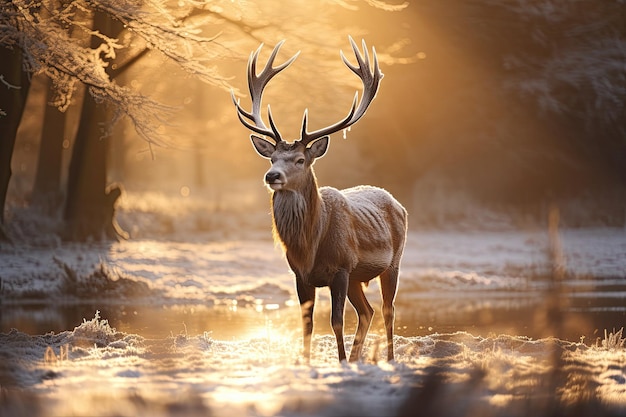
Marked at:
<point>8,84</point>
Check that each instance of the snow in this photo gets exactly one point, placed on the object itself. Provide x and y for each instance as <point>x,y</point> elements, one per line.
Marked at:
<point>211,327</point>
<point>206,271</point>
<point>106,372</point>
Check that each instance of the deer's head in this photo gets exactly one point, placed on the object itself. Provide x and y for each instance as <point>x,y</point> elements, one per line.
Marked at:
<point>291,162</point>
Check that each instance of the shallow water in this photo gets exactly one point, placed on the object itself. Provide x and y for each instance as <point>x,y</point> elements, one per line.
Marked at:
<point>578,314</point>
<point>484,283</point>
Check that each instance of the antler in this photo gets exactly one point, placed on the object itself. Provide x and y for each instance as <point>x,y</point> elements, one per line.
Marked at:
<point>371,82</point>
<point>257,83</point>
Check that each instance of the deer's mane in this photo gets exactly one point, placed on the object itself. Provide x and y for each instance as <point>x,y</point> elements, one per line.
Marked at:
<point>296,224</point>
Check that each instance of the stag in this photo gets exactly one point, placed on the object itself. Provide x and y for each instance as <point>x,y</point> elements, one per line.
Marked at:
<point>331,238</point>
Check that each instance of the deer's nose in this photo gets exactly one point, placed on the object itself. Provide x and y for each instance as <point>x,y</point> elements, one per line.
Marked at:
<point>272,177</point>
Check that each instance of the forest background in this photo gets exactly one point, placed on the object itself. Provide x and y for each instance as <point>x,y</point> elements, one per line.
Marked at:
<point>491,111</point>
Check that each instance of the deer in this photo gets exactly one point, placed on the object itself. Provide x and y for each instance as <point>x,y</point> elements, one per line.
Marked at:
<point>331,238</point>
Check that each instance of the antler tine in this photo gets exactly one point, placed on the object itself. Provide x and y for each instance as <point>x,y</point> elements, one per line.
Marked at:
<point>371,81</point>
<point>241,113</point>
<point>256,85</point>
<point>307,137</point>
<point>269,116</point>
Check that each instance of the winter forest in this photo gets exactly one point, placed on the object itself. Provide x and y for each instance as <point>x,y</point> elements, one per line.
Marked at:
<point>138,272</point>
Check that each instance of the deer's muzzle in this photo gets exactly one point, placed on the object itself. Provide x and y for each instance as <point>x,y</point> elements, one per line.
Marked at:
<point>274,180</point>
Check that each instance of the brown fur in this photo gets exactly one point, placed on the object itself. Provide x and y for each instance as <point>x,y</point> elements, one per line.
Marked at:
<point>297,226</point>
<point>360,231</point>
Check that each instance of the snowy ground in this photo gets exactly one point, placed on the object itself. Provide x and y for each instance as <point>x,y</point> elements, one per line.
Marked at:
<point>109,373</point>
<point>210,327</point>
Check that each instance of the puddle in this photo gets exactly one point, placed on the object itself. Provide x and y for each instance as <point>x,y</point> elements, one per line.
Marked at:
<point>479,313</point>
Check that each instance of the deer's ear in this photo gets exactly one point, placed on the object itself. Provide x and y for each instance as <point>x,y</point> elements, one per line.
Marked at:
<point>319,147</point>
<point>264,147</point>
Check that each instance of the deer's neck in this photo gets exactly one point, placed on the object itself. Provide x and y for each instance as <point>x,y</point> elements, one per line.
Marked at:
<point>297,223</point>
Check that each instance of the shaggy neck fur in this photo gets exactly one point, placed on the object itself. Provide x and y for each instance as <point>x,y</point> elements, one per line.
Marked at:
<point>296,218</point>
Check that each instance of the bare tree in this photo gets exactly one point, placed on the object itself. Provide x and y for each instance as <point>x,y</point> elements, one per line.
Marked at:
<point>44,32</point>
<point>14,88</point>
<point>36,37</point>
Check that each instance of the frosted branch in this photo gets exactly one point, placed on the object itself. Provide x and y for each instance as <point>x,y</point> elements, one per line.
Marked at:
<point>43,30</point>
<point>8,84</point>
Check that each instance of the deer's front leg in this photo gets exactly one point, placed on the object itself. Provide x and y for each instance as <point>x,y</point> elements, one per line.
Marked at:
<point>338,293</point>
<point>306,296</point>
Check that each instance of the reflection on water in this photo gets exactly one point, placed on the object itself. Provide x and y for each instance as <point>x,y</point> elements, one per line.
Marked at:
<point>581,314</point>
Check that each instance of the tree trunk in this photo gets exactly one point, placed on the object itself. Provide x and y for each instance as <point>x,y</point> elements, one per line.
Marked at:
<point>87,178</point>
<point>47,187</point>
<point>13,93</point>
<point>89,207</point>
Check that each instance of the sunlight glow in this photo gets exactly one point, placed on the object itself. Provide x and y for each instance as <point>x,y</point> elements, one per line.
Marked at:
<point>501,400</point>
<point>472,130</point>
<point>264,403</point>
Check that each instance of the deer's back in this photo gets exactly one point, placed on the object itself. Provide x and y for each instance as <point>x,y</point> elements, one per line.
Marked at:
<point>378,222</point>
<point>379,217</point>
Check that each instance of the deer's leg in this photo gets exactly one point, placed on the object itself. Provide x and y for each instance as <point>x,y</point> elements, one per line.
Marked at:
<point>388,287</point>
<point>306,296</point>
<point>365,313</point>
<point>338,293</point>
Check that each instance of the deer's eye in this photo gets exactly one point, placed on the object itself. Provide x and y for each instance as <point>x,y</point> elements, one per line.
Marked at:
<point>300,161</point>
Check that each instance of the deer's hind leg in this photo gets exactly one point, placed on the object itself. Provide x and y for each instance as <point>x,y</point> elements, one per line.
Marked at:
<point>388,288</point>
<point>365,312</point>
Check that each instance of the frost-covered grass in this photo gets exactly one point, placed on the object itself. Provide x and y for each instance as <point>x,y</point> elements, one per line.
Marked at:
<point>106,372</point>
<point>613,340</point>
<point>201,270</point>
